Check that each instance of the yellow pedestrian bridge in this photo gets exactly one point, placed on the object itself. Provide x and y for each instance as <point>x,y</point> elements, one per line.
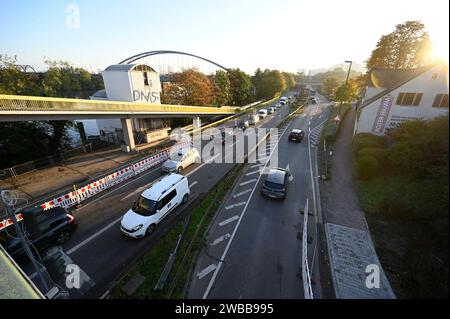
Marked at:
<point>34,108</point>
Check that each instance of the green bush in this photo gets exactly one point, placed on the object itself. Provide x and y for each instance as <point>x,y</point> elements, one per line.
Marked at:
<point>363,140</point>
<point>380,154</point>
<point>367,167</point>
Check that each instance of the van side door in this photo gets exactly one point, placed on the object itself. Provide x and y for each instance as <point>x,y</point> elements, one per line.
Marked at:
<point>170,203</point>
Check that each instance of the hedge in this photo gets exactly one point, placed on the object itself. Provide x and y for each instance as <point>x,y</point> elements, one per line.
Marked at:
<point>364,140</point>
<point>367,167</point>
<point>380,154</point>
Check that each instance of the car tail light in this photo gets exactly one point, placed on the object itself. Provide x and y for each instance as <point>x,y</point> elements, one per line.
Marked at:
<point>71,218</point>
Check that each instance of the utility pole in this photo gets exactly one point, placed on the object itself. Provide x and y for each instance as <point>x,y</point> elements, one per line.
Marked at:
<point>346,83</point>
<point>9,200</point>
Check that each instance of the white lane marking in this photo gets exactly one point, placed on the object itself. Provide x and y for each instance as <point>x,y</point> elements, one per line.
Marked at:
<point>235,205</point>
<point>257,165</point>
<point>206,271</point>
<point>253,173</point>
<point>243,193</point>
<point>229,220</point>
<point>220,239</point>
<point>248,182</point>
<point>139,190</point>
<point>216,271</point>
<point>87,240</point>
<point>193,184</point>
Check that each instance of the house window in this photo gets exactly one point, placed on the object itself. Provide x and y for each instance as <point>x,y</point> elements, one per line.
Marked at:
<point>417,99</point>
<point>441,100</point>
<point>145,78</point>
<point>409,99</point>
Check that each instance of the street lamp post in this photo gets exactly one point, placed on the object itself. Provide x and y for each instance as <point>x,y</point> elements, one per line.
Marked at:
<point>346,83</point>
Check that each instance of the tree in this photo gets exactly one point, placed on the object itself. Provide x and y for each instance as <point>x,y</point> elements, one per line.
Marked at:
<point>240,87</point>
<point>25,141</point>
<point>405,48</point>
<point>221,88</point>
<point>190,87</point>
<point>289,79</point>
<point>329,86</point>
<point>346,95</point>
<point>268,83</point>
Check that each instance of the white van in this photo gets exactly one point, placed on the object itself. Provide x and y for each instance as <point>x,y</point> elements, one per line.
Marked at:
<point>262,113</point>
<point>254,119</point>
<point>155,203</point>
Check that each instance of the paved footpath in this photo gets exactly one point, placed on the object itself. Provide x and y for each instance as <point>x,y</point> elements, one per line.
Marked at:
<point>350,246</point>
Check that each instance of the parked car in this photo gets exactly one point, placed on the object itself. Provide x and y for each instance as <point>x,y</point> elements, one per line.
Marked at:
<point>262,113</point>
<point>254,119</point>
<point>283,100</point>
<point>296,135</point>
<point>180,160</point>
<point>58,227</point>
<point>275,184</point>
<point>154,204</point>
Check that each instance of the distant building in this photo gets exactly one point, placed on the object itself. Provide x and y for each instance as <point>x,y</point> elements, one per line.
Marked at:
<point>137,83</point>
<point>395,96</point>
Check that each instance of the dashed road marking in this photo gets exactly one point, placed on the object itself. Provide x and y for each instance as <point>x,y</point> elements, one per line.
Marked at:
<point>220,239</point>
<point>206,271</point>
<point>252,173</point>
<point>242,193</point>
<point>229,220</point>
<point>235,205</point>
<point>193,184</point>
<point>248,182</point>
<point>257,165</point>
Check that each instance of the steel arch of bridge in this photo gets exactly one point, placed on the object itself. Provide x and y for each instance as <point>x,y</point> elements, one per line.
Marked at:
<point>136,57</point>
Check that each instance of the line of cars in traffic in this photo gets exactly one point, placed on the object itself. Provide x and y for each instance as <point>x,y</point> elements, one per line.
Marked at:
<point>157,201</point>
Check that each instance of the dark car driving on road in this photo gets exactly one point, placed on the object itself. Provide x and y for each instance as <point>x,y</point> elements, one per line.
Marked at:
<point>296,135</point>
<point>57,228</point>
<point>275,184</point>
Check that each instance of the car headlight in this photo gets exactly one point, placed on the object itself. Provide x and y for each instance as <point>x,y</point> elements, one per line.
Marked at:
<point>136,228</point>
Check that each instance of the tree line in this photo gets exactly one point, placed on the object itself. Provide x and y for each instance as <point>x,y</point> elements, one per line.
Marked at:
<point>233,87</point>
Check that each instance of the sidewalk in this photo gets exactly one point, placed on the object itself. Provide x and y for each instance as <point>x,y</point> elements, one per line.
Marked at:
<point>350,247</point>
<point>44,182</point>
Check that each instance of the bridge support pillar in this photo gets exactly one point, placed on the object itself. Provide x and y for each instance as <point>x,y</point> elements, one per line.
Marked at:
<point>196,123</point>
<point>128,136</point>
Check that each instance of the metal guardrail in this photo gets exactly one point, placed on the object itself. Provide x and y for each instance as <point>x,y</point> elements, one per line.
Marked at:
<point>18,103</point>
<point>306,276</point>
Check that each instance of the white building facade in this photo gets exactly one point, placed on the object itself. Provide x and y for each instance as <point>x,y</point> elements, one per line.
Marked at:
<point>395,96</point>
<point>132,83</point>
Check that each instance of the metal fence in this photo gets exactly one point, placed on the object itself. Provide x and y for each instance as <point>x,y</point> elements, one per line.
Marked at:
<point>306,276</point>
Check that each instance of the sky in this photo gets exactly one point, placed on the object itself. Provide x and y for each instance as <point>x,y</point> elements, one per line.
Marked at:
<point>277,34</point>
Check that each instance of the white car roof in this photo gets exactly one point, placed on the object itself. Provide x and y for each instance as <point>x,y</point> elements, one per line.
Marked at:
<point>296,131</point>
<point>155,191</point>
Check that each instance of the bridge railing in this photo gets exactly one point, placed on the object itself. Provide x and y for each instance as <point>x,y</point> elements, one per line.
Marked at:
<point>17,103</point>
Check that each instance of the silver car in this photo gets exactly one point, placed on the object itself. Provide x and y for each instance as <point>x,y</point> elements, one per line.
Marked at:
<point>180,160</point>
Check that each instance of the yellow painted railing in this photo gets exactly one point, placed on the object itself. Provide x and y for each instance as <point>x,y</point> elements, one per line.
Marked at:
<point>40,104</point>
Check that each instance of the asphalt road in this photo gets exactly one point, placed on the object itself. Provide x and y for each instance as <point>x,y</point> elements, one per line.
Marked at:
<point>99,248</point>
<point>254,247</point>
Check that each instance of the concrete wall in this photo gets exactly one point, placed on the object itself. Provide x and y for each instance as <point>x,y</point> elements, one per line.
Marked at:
<point>383,113</point>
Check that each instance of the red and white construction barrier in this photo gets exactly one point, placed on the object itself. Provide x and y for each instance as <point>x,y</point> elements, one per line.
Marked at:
<point>70,199</point>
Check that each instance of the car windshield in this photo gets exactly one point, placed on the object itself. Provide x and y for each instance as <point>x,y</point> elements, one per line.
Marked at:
<point>144,206</point>
<point>273,185</point>
<point>177,157</point>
